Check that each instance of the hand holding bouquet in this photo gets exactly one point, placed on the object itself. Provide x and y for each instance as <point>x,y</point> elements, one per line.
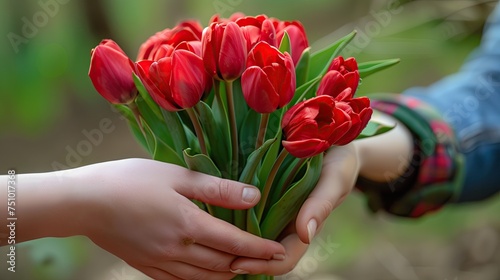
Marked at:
<point>244,99</point>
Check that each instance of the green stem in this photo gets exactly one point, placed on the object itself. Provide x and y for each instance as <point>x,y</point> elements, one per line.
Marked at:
<point>217,91</point>
<point>137,115</point>
<point>234,129</point>
<point>264,119</point>
<point>292,175</point>
<point>269,182</point>
<point>198,130</point>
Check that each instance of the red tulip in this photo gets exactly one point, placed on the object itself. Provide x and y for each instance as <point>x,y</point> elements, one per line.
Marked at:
<point>257,29</point>
<point>360,112</point>
<point>269,81</point>
<point>224,51</point>
<point>342,74</point>
<point>341,82</point>
<point>297,34</point>
<point>175,82</point>
<point>186,31</point>
<point>313,126</point>
<point>111,73</point>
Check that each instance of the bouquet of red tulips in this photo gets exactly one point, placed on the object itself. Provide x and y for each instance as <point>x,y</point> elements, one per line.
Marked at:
<point>244,99</point>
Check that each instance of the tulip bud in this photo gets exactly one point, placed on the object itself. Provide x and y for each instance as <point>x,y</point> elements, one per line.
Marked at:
<point>224,51</point>
<point>257,29</point>
<point>111,73</point>
<point>176,82</point>
<point>186,31</point>
<point>269,81</point>
<point>342,74</point>
<point>298,37</point>
<point>312,126</point>
<point>360,112</point>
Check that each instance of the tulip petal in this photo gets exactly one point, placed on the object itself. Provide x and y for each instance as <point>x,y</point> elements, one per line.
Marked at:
<point>188,78</point>
<point>111,73</point>
<point>298,39</point>
<point>288,84</point>
<point>332,84</point>
<point>159,74</point>
<point>290,114</point>
<point>209,50</point>
<point>268,33</point>
<point>233,53</point>
<point>336,63</point>
<point>258,91</point>
<point>352,80</point>
<point>306,148</point>
<point>350,64</point>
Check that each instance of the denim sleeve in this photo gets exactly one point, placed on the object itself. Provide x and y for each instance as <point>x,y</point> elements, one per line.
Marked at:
<point>470,102</point>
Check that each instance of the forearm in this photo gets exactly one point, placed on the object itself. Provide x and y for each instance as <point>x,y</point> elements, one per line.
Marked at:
<point>46,205</point>
<point>385,157</point>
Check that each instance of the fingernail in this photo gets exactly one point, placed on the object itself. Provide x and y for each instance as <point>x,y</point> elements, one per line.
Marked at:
<point>249,195</point>
<point>279,257</point>
<point>312,226</point>
<point>239,271</point>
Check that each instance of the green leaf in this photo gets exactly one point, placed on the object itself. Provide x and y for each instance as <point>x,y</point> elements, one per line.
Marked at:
<point>240,105</point>
<point>273,132</point>
<point>306,91</point>
<point>200,163</point>
<point>253,162</point>
<point>374,128</point>
<point>302,68</point>
<point>285,44</point>
<point>192,140</point>
<point>175,131</point>
<point>165,153</point>
<point>287,208</point>
<point>149,137</point>
<point>248,133</point>
<point>159,151</point>
<point>268,161</point>
<point>217,149</point>
<point>253,223</point>
<point>288,166</point>
<point>133,125</point>
<point>158,126</point>
<point>321,60</point>
<point>371,67</point>
<point>145,95</point>
<point>221,118</point>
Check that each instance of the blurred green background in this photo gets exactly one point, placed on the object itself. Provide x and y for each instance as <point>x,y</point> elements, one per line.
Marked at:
<point>47,100</point>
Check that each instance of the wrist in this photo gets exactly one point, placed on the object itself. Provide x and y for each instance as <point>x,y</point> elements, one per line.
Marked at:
<point>51,205</point>
<point>385,157</point>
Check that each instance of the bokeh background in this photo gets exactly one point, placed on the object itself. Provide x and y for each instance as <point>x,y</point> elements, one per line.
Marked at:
<point>47,100</point>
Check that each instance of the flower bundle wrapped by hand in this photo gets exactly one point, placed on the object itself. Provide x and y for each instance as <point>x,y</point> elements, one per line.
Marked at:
<point>244,99</point>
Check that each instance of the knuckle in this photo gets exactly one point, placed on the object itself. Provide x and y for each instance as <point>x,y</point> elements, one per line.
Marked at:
<point>238,249</point>
<point>219,265</point>
<point>224,189</point>
<point>323,206</point>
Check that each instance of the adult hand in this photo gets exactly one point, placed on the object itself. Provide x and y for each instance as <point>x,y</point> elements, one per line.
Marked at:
<point>340,170</point>
<point>140,210</point>
<point>147,219</point>
<point>373,158</point>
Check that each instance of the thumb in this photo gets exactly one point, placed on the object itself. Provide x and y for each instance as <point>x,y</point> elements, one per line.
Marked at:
<point>340,170</point>
<point>219,192</point>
